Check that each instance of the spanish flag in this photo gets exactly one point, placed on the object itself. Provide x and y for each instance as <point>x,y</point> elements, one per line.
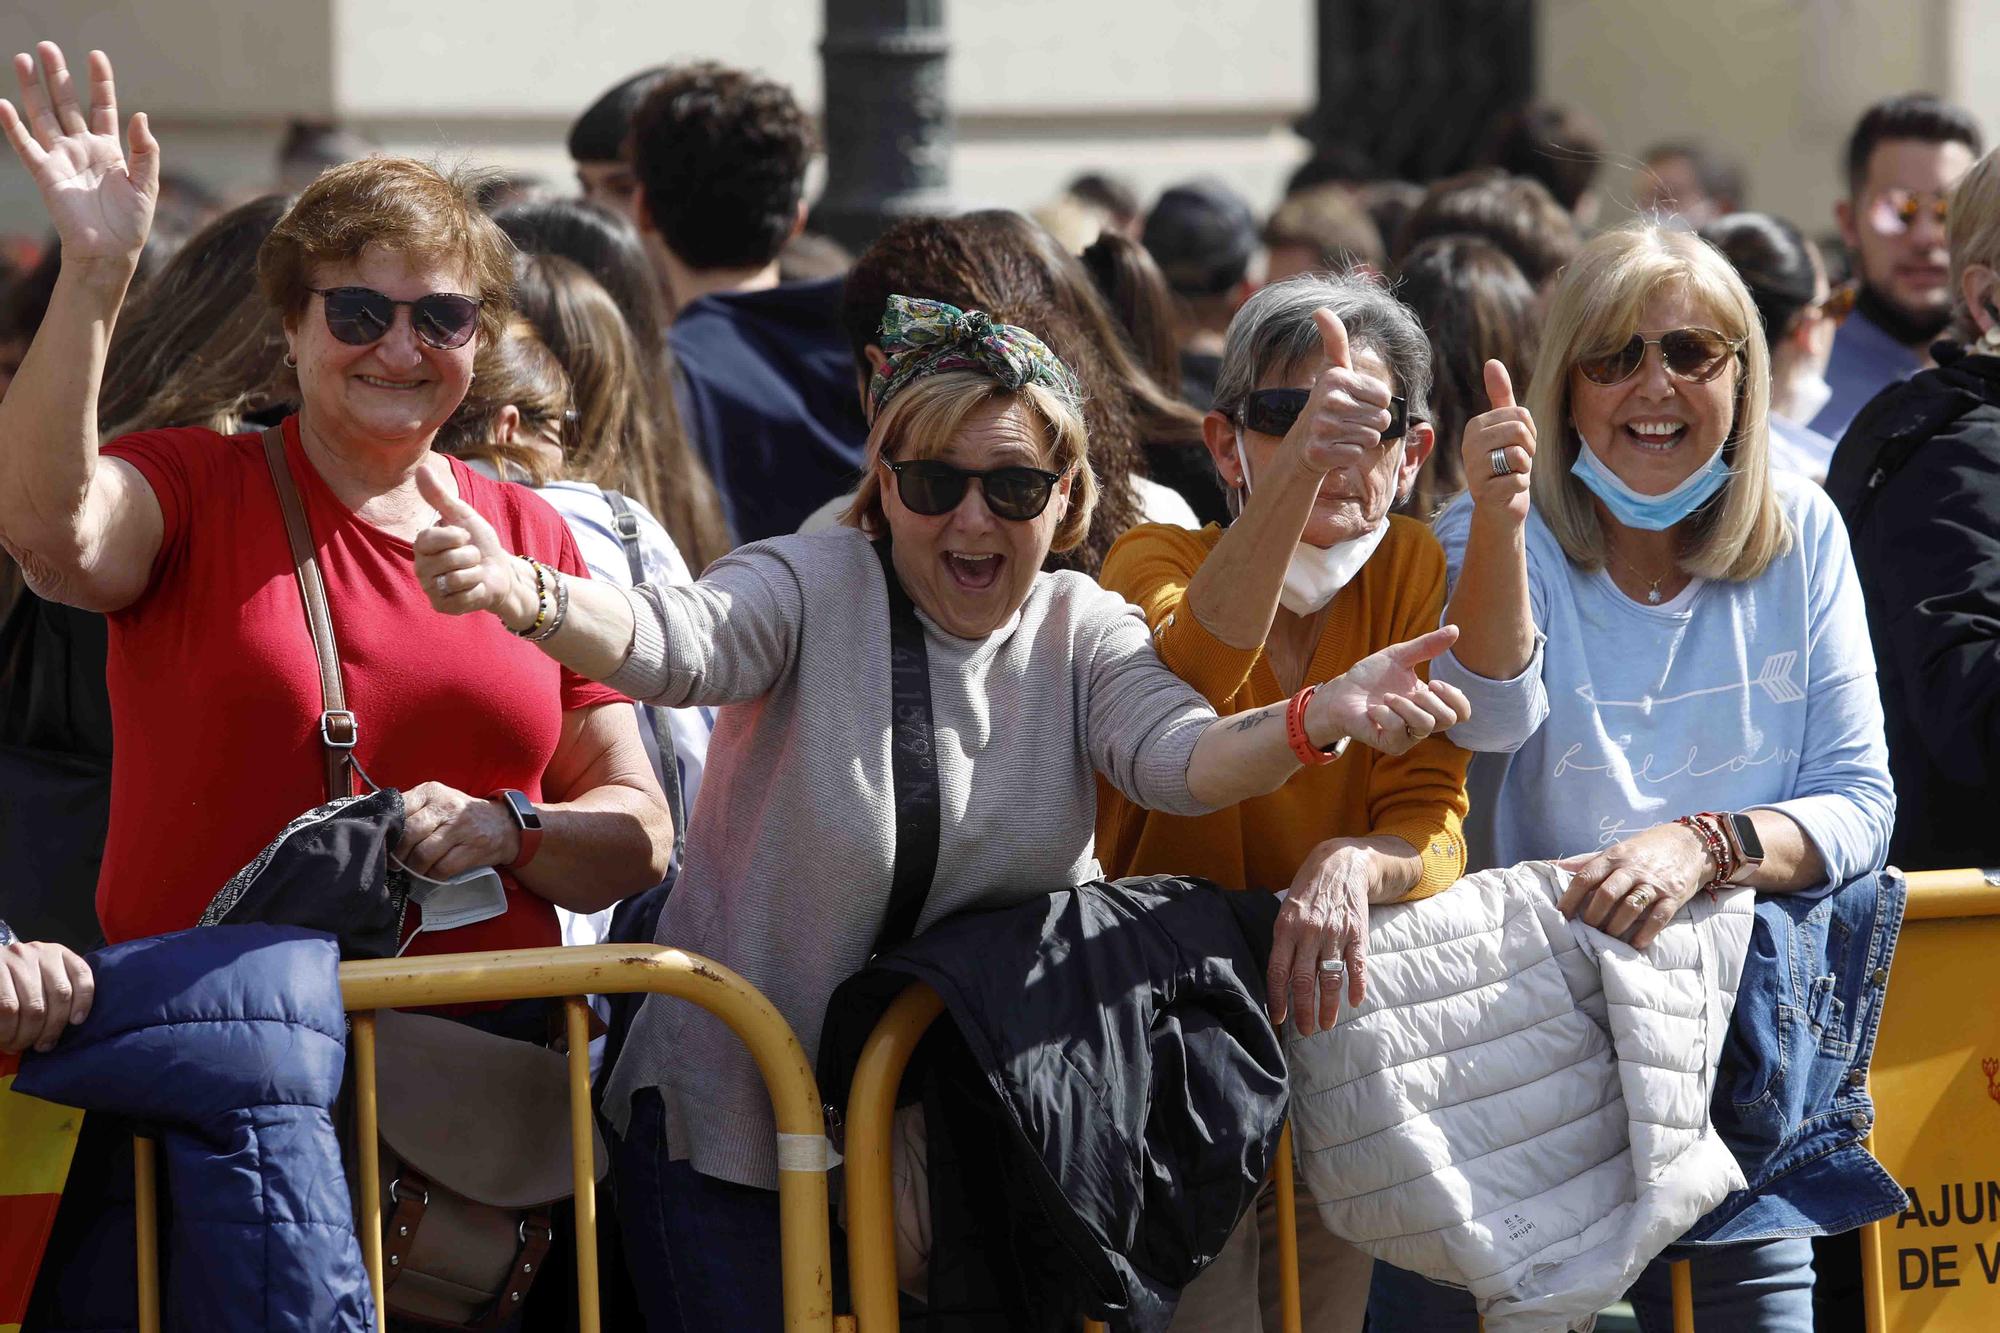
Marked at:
<point>37,1141</point>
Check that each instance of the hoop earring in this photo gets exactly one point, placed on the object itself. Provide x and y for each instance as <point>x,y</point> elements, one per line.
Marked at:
<point>291,362</point>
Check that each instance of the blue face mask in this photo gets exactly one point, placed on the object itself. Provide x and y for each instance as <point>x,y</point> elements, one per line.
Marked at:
<point>1654,513</point>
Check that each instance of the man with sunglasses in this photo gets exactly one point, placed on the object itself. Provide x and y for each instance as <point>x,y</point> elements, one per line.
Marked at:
<point>1902,161</point>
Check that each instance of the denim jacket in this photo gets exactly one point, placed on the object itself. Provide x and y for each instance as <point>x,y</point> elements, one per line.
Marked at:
<point>1790,1098</point>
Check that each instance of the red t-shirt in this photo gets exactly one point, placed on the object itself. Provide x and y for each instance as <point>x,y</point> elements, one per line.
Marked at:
<point>215,695</point>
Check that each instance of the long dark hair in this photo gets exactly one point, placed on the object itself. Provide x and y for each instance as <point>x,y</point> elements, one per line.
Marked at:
<point>659,467</point>
<point>1476,306</point>
<point>1138,296</point>
<point>1008,266</point>
<point>1775,262</point>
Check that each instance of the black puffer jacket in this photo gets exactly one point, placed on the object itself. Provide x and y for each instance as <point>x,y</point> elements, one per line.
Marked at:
<point>1917,476</point>
<point>1103,1106</point>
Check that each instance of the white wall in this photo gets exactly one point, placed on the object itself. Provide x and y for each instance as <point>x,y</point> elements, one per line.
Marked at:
<point>1043,88</point>
<point>1778,83</point>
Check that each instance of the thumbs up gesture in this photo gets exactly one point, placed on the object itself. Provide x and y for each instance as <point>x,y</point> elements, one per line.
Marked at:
<point>1498,450</point>
<point>463,566</point>
<point>1346,412</point>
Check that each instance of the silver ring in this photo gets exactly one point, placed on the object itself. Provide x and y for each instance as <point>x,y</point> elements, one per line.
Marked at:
<point>438,583</point>
<point>1332,967</point>
<point>1498,460</point>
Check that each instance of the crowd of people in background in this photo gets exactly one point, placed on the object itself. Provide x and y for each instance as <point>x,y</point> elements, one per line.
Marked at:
<point>1403,532</point>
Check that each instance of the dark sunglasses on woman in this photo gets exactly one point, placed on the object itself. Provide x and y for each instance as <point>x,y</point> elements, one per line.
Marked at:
<point>930,487</point>
<point>1272,412</point>
<point>1694,355</point>
<point>361,315</point>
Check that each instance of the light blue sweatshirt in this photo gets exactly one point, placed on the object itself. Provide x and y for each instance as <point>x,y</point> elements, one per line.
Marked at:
<point>1728,697</point>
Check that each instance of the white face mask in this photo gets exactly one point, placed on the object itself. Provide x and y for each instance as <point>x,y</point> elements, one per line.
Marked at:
<point>1316,574</point>
<point>467,897</point>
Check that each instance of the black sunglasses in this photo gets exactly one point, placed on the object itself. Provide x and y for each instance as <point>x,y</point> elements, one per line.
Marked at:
<point>361,315</point>
<point>930,487</point>
<point>1694,355</point>
<point>1272,412</point>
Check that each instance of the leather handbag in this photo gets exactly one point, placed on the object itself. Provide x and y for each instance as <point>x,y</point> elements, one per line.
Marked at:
<point>474,1127</point>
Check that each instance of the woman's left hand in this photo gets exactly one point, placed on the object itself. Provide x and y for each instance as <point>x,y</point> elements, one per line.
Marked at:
<point>1632,889</point>
<point>1382,702</point>
<point>1324,920</point>
<point>446,832</point>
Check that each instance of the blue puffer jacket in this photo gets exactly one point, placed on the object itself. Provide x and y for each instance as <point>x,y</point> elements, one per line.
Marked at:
<point>230,1042</point>
<point>1790,1099</point>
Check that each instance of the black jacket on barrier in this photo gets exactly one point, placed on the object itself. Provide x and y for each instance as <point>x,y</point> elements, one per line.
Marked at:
<point>1102,1107</point>
<point>1917,477</point>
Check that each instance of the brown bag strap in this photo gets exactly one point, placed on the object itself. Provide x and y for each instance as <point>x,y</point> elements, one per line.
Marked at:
<point>537,1237</point>
<point>338,731</point>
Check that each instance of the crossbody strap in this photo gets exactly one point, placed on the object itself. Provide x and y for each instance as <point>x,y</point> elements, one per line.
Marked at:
<point>338,731</point>
<point>627,524</point>
<point>912,762</point>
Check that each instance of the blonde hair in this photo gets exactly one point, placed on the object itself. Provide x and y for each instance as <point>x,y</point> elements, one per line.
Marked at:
<point>922,420</point>
<point>1596,307</point>
<point>1972,230</point>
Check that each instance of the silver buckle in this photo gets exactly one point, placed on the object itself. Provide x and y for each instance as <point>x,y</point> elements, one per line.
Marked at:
<point>332,716</point>
<point>396,1192</point>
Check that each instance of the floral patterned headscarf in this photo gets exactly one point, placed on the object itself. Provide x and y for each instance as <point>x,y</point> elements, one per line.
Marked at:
<point>923,338</point>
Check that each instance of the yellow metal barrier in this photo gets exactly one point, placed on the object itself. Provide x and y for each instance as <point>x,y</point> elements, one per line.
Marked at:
<point>567,973</point>
<point>871,1194</point>
<point>1936,1085</point>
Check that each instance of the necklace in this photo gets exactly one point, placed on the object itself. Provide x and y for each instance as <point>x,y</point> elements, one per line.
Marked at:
<point>1653,585</point>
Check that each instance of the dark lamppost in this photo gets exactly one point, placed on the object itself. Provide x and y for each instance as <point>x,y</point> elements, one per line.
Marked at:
<point>1409,89</point>
<point>888,120</point>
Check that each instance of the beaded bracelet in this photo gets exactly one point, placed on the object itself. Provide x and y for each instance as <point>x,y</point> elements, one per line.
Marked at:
<point>1712,841</point>
<point>1295,733</point>
<point>561,587</point>
<point>541,599</point>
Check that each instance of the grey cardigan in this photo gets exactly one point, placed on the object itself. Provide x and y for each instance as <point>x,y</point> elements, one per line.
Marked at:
<point>791,847</point>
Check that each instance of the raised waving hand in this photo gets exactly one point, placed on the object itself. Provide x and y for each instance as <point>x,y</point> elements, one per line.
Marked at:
<point>99,196</point>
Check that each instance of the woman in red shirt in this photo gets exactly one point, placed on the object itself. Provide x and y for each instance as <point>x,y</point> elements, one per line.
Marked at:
<point>388,277</point>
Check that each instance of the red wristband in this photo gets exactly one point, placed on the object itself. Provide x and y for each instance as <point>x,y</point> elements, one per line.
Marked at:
<point>1295,732</point>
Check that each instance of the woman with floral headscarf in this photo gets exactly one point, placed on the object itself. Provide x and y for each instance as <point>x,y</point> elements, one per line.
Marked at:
<point>977,468</point>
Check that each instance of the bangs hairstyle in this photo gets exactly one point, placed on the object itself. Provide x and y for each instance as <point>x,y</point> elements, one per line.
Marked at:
<point>404,206</point>
<point>1597,305</point>
<point>922,420</point>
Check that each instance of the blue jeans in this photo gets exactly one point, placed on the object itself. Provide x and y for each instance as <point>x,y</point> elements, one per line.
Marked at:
<point>704,1253</point>
<point>1761,1287</point>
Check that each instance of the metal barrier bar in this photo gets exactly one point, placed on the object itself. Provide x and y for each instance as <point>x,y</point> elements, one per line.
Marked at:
<point>368,1134</point>
<point>1936,894</point>
<point>583,1162</point>
<point>1682,1276</point>
<point>146,1238</point>
<point>871,1191</point>
<point>566,973</point>
<point>1290,1311</point>
<point>871,1117</point>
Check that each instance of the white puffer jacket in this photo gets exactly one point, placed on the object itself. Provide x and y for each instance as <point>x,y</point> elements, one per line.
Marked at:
<point>1520,1106</point>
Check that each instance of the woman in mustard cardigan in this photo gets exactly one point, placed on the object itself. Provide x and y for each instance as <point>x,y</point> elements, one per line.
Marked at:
<point>1318,429</point>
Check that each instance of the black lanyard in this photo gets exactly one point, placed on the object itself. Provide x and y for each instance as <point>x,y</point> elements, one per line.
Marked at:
<point>913,764</point>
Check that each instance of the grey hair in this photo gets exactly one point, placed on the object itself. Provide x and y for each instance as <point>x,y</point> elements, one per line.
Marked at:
<point>1274,331</point>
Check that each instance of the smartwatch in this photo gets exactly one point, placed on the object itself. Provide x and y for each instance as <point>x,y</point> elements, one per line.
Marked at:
<point>526,818</point>
<point>1741,831</point>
